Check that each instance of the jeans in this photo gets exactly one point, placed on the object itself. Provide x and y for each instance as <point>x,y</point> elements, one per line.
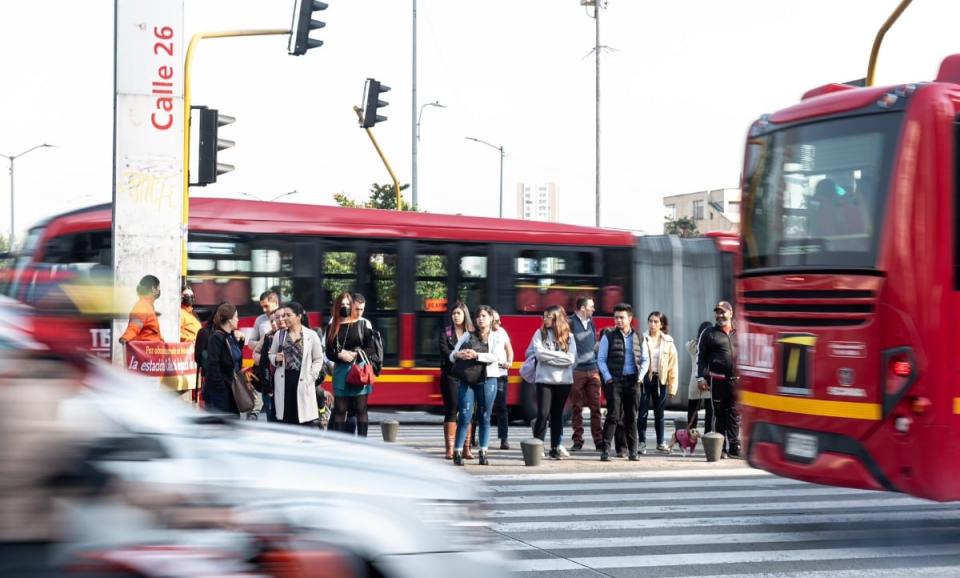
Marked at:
<point>503,418</point>
<point>485,394</point>
<point>551,398</point>
<point>655,394</point>
<point>621,397</point>
<point>268,407</point>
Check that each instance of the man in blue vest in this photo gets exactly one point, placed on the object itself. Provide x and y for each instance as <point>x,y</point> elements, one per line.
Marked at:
<point>623,356</point>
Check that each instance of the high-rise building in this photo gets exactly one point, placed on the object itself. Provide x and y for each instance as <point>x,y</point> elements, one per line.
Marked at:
<point>538,202</point>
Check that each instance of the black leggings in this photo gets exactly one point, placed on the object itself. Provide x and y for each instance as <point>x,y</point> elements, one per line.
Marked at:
<point>355,404</point>
<point>550,401</point>
<point>449,393</point>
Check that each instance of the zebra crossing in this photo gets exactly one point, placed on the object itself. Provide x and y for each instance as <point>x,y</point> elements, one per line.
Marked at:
<point>699,523</point>
<point>697,520</point>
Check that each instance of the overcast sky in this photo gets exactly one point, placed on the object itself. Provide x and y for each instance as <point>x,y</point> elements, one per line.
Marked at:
<point>681,84</point>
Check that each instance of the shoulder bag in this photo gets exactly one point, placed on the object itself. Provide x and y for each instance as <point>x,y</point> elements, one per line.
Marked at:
<point>471,371</point>
<point>361,372</point>
<point>242,392</point>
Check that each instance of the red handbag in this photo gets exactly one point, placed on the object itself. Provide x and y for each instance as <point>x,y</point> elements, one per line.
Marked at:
<point>361,372</point>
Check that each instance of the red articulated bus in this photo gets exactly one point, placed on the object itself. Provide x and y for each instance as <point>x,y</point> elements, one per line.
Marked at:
<point>409,266</point>
<point>849,288</point>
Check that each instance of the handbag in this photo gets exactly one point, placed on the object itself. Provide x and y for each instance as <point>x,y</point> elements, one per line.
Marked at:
<point>242,392</point>
<point>361,372</point>
<point>471,371</point>
<point>528,371</point>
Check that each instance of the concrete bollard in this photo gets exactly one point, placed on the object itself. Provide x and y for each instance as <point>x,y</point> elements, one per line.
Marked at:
<point>713,446</point>
<point>390,428</point>
<point>532,451</point>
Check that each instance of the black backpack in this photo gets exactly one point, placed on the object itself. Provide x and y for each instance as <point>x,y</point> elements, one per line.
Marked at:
<point>200,348</point>
<point>376,360</point>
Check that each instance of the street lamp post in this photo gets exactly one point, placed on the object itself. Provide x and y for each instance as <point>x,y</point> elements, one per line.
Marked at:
<point>12,158</point>
<point>415,181</point>
<point>499,148</point>
<point>597,47</point>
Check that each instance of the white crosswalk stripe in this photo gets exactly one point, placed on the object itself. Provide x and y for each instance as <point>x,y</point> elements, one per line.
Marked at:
<point>706,522</point>
<point>755,525</point>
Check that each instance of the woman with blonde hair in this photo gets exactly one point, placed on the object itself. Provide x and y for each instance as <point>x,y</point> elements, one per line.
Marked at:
<point>556,351</point>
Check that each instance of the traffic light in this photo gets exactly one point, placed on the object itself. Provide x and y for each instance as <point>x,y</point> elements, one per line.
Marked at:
<point>208,167</point>
<point>303,23</point>
<point>371,102</point>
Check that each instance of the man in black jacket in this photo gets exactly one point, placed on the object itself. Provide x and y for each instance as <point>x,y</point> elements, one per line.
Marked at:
<point>716,370</point>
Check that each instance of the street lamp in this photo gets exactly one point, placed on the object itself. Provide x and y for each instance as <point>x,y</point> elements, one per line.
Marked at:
<point>416,139</point>
<point>597,47</point>
<point>500,148</point>
<point>280,196</point>
<point>12,158</point>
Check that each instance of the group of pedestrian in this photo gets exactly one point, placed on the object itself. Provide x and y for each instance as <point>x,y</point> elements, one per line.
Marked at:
<point>476,355</point>
<point>638,372</point>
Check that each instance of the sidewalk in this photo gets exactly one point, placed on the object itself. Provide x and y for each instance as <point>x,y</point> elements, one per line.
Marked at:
<point>428,440</point>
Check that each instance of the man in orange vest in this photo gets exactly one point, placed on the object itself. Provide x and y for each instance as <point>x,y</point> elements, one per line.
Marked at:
<point>144,325</point>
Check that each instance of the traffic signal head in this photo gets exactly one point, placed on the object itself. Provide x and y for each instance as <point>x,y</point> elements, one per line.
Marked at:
<point>371,102</point>
<point>303,23</point>
<point>208,167</point>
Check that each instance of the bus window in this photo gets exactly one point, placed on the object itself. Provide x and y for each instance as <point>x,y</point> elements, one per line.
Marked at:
<point>80,248</point>
<point>548,277</point>
<point>431,305</point>
<point>617,272</point>
<point>383,270</point>
<point>431,282</point>
<point>472,281</point>
<point>339,273</point>
<point>218,270</point>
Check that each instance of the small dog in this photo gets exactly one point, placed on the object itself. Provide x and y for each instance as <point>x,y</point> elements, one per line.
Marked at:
<point>687,439</point>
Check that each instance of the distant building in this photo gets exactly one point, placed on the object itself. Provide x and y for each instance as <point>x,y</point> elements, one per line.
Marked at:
<point>538,202</point>
<point>713,210</point>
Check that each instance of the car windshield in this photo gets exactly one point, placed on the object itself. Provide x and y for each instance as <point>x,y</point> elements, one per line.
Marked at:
<point>815,194</point>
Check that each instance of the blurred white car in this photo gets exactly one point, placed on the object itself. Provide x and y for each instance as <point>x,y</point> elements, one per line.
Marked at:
<point>181,480</point>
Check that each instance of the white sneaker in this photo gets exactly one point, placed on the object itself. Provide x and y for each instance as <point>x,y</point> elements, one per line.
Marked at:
<point>563,451</point>
<point>642,449</point>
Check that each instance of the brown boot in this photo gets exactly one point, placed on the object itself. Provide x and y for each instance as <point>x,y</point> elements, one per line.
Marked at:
<point>467,454</point>
<point>449,435</point>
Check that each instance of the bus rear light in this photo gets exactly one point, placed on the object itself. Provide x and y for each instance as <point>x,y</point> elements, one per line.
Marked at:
<point>902,424</point>
<point>901,367</point>
<point>920,405</point>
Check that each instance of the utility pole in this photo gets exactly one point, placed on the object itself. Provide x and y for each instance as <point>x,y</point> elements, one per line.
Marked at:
<point>596,54</point>
<point>413,117</point>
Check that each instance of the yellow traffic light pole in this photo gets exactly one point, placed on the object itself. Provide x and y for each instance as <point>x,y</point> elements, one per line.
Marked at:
<point>875,51</point>
<point>187,65</point>
<point>396,183</point>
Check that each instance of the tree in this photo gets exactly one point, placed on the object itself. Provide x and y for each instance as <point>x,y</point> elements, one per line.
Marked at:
<point>381,197</point>
<point>683,227</point>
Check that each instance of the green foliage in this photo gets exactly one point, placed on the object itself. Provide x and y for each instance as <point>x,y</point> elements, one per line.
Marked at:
<point>381,197</point>
<point>682,227</point>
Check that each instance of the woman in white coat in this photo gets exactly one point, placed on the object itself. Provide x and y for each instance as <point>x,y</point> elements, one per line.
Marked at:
<point>297,354</point>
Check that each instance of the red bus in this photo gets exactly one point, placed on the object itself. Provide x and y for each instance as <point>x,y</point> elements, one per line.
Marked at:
<point>408,265</point>
<point>849,285</point>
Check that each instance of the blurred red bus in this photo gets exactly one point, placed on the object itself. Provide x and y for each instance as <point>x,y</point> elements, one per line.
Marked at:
<point>408,265</point>
<point>848,288</point>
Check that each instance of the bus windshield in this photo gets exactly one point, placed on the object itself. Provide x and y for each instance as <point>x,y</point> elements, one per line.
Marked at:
<point>815,194</point>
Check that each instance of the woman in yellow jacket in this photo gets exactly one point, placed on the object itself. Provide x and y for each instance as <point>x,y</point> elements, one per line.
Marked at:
<point>660,380</point>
